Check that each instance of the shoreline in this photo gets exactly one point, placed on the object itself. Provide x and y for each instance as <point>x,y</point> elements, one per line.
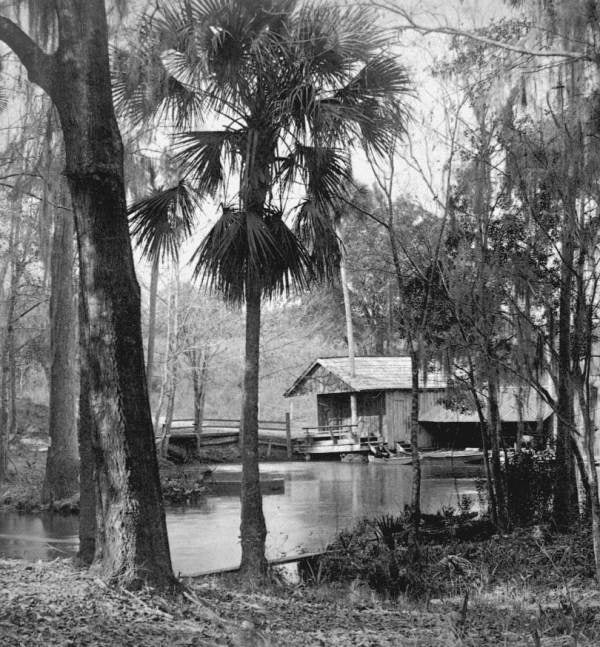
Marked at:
<point>51,603</point>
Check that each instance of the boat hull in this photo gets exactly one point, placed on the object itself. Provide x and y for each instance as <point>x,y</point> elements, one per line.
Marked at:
<point>440,463</point>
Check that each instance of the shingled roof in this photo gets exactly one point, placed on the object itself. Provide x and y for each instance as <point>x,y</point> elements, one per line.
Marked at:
<point>371,374</point>
<point>533,408</point>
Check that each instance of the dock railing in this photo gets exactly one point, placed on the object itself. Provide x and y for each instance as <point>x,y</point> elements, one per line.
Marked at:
<point>223,431</point>
<point>334,431</point>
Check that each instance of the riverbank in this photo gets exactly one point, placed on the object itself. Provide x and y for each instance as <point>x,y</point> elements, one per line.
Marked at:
<point>182,484</point>
<point>55,603</point>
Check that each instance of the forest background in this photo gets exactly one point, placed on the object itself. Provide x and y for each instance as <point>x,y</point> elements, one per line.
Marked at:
<point>296,330</point>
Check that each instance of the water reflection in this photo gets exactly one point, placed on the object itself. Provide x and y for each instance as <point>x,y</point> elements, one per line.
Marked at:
<point>42,536</point>
<point>320,499</point>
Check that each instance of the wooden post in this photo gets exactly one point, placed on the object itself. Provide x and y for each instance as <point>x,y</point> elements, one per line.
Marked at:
<point>354,416</point>
<point>288,436</point>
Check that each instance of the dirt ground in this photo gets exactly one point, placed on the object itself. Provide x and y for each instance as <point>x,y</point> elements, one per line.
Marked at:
<point>54,603</point>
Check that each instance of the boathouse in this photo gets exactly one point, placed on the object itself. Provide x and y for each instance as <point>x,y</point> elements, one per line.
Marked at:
<point>375,402</point>
<point>522,411</point>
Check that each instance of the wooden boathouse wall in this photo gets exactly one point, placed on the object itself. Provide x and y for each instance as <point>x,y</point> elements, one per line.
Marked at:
<point>398,408</point>
<point>380,413</point>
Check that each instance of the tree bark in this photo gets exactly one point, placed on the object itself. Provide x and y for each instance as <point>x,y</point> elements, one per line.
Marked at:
<point>564,489</point>
<point>199,359</point>
<point>347,304</point>
<point>414,439</point>
<point>7,359</point>
<point>62,462</point>
<point>252,529</point>
<point>89,526</point>
<point>589,437</point>
<point>132,547</point>
<point>7,349</point>
<point>152,322</point>
<point>495,432</point>
<point>172,357</point>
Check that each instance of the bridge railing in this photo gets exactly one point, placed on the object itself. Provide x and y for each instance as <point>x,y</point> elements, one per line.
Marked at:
<point>224,431</point>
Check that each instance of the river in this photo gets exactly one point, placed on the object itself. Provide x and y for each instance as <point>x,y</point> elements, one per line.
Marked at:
<point>320,499</point>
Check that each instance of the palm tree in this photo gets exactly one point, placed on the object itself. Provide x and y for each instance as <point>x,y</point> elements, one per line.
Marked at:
<point>294,84</point>
<point>159,223</point>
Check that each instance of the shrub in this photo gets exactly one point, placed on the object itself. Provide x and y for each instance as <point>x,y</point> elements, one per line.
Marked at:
<point>529,486</point>
<point>382,554</point>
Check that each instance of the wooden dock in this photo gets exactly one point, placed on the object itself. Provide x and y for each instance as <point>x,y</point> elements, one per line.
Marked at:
<point>275,434</point>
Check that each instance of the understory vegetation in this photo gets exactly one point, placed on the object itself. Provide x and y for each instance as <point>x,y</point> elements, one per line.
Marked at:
<point>531,587</point>
<point>463,583</point>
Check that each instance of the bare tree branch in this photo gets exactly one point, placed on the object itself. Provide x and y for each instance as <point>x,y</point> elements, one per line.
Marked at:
<point>411,24</point>
<point>39,65</point>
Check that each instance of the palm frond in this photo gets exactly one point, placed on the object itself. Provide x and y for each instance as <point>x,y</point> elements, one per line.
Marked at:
<point>228,38</point>
<point>333,39</point>
<point>372,105</point>
<point>290,269</point>
<point>326,172</point>
<point>200,155</point>
<point>243,249</point>
<point>315,229</point>
<point>143,89</point>
<point>160,222</point>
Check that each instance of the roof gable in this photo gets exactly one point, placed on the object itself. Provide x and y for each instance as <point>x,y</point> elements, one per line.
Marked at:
<point>333,375</point>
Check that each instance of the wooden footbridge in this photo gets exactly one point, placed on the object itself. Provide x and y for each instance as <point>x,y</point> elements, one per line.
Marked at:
<point>275,434</point>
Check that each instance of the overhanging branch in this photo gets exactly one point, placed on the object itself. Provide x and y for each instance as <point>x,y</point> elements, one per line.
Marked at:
<point>39,65</point>
<point>411,24</point>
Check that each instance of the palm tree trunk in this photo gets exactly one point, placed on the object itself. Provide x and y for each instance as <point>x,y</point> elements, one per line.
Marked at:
<point>253,529</point>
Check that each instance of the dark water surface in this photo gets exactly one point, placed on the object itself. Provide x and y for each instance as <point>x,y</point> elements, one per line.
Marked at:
<point>320,499</point>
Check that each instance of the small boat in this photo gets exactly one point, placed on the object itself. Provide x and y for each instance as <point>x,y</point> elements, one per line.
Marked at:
<point>451,461</point>
<point>405,459</point>
<point>381,454</point>
<point>471,456</point>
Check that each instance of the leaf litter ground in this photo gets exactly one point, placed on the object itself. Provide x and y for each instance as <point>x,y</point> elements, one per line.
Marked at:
<point>54,603</point>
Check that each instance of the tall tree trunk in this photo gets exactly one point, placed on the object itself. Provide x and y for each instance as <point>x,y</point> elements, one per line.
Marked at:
<point>133,543</point>
<point>62,463</point>
<point>415,500</point>
<point>495,433</point>
<point>88,491</point>
<point>565,489</point>
<point>589,437</point>
<point>172,357</point>
<point>152,322</point>
<point>199,360</point>
<point>347,306</point>
<point>253,529</point>
<point>7,352</point>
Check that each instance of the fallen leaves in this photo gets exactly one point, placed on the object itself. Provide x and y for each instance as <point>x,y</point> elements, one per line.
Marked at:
<point>53,603</point>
